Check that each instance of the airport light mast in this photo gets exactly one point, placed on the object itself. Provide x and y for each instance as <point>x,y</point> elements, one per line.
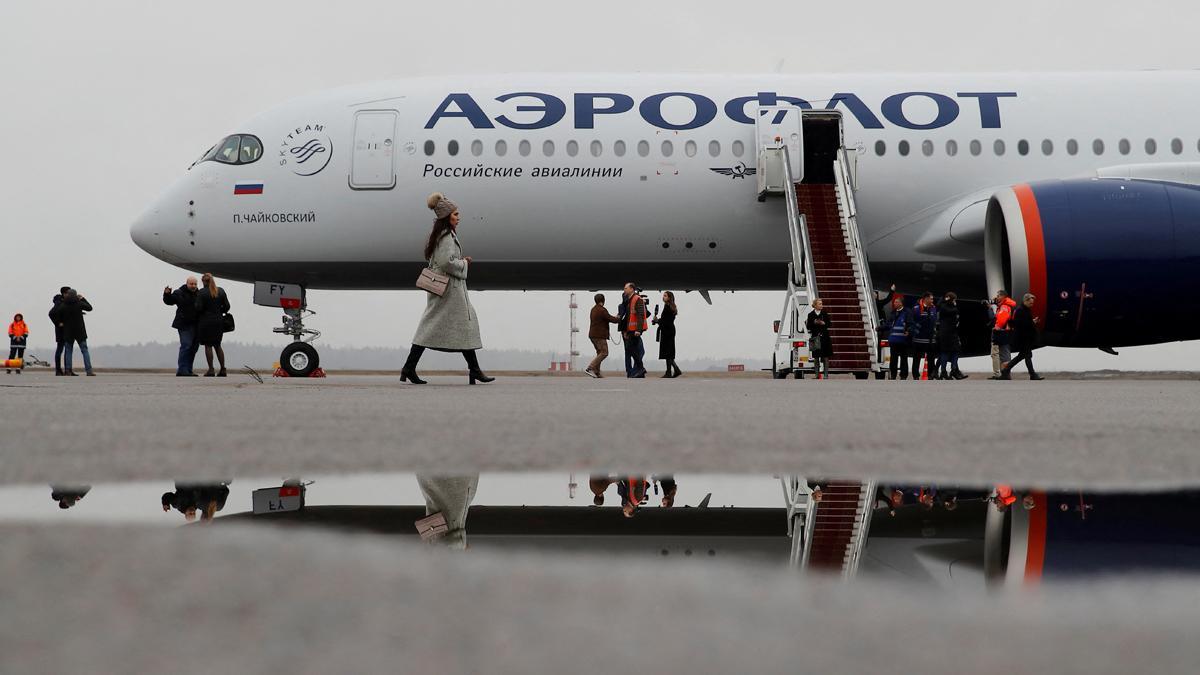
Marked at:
<point>574,332</point>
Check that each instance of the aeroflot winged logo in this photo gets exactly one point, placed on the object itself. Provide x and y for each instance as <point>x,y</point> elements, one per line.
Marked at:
<point>739,171</point>
<point>306,150</point>
<point>680,110</point>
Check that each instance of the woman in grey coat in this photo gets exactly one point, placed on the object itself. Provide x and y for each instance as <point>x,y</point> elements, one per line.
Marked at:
<point>449,323</point>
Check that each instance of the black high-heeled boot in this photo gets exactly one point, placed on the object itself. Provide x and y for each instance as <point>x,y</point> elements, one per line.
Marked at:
<point>476,373</point>
<point>409,372</point>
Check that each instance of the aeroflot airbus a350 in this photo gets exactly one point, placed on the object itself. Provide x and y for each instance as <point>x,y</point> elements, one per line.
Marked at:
<point>586,181</point>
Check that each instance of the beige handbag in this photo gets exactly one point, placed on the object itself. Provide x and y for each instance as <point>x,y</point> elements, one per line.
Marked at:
<point>433,282</point>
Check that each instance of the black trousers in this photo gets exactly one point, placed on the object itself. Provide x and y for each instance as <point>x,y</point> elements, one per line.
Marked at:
<point>899,360</point>
<point>921,350</point>
<point>1025,355</point>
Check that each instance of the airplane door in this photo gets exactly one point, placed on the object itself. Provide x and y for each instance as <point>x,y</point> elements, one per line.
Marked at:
<point>372,166</point>
<point>781,126</point>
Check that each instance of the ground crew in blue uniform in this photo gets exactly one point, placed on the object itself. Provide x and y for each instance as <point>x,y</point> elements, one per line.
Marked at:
<point>898,338</point>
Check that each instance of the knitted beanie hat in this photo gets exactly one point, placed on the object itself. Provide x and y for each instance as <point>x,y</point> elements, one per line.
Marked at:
<point>441,206</point>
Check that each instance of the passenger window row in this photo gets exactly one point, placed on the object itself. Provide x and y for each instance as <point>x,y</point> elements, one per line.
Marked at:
<point>595,148</point>
<point>1047,147</point>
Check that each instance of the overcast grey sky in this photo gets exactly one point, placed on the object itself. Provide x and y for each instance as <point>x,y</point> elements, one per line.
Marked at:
<point>105,104</point>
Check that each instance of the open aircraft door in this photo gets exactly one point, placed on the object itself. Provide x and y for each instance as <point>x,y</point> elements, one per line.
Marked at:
<point>778,127</point>
<point>373,163</point>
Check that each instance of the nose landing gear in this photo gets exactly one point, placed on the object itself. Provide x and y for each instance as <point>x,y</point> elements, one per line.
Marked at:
<point>300,358</point>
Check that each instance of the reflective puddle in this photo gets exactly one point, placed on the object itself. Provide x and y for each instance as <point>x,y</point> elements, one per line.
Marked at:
<point>970,536</point>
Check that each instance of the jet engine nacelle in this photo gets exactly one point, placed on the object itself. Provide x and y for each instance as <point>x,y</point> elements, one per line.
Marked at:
<point>1112,262</point>
<point>1065,535</point>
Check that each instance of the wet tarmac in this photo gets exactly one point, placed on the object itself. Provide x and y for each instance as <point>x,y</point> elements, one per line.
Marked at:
<point>528,574</point>
<point>1051,433</point>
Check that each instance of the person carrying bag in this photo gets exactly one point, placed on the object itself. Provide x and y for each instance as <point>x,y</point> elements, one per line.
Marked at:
<point>449,323</point>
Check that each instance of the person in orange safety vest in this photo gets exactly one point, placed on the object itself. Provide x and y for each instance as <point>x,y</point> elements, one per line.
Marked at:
<point>1001,334</point>
<point>18,336</point>
<point>633,323</point>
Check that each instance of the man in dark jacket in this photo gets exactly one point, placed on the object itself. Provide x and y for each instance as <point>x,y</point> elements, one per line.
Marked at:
<point>68,315</point>
<point>922,333</point>
<point>949,343</point>
<point>184,300</point>
<point>58,339</point>
<point>1024,338</point>
<point>598,333</point>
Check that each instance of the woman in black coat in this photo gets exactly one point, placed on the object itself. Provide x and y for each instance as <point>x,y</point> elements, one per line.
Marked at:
<point>949,343</point>
<point>211,307</point>
<point>819,342</point>
<point>666,334</point>
<point>1024,339</point>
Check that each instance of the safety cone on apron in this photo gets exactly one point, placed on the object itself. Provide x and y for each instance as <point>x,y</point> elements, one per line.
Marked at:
<point>925,369</point>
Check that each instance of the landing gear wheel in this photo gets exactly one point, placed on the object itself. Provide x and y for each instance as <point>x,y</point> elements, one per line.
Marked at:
<point>299,359</point>
<point>860,375</point>
<point>880,375</point>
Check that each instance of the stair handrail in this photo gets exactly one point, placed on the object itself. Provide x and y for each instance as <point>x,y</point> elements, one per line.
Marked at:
<point>843,185</point>
<point>859,542</point>
<point>810,526</point>
<point>802,258</point>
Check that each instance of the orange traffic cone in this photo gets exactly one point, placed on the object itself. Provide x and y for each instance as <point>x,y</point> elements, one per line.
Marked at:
<point>925,369</point>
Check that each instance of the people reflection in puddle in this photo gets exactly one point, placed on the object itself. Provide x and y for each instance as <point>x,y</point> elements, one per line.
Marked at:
<point>925,496</point>
<point>68,495</point>
<point>633,490</point>
<point>197,499</point>
<point>447,501</point>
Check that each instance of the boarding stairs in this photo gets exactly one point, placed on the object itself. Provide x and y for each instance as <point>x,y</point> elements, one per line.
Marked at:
<point>829,535</point>
<point>828,259</point>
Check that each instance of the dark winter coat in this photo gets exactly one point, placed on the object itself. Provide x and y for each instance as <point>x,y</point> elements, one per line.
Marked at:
<point>924,325</point>
<point>825,349</point>
<point>666,334</point>
<point>1024,330</point>
<point>210,317</point>
<point>68,314</point>
<point>948,340</point>
<point>58,298</point>
<point>184,301</point>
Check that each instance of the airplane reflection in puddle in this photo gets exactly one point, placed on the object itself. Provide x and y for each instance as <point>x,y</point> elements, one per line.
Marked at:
<point>950,536</point>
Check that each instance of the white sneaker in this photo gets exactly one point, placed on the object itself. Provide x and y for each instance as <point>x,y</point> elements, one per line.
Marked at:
<point>590,372</point>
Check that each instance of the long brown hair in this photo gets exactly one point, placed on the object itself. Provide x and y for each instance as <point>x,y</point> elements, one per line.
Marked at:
<point>441,228</point>
<point>671,302</point>
<point>210,283</point>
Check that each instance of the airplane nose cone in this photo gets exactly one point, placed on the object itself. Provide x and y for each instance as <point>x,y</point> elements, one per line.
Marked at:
<point>144,232</point>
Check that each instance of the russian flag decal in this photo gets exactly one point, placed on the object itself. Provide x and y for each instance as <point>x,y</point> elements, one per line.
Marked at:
<point>248,189</point>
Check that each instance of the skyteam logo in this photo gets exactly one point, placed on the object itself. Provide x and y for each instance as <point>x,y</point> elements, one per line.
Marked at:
<point>739,171</point>
<point>306,150</point>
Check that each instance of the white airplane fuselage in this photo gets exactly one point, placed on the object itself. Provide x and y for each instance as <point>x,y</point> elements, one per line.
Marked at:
<point>585,182</point>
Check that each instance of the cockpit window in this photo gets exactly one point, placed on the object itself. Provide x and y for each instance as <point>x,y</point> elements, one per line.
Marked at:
<point>236,149</point>
<point>227,153</point>
<point>251,150</point>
